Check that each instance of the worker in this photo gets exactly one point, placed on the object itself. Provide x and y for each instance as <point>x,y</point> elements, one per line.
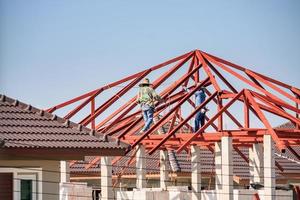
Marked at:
<point>147,98</point>
<point>200,116</point>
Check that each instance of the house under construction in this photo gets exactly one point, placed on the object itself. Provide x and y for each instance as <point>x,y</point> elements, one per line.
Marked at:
<point>240,139</point>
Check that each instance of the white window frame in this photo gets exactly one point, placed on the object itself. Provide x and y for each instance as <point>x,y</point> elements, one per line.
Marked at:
<point>28,176</point>
<point>34,174</point>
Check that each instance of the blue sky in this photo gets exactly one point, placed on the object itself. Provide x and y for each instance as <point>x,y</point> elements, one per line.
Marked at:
<point>52,50</point>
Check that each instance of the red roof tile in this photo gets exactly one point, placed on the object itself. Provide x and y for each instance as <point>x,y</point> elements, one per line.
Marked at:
<point>24,126</point>
<point>240,166</point>
<point>288,125</point>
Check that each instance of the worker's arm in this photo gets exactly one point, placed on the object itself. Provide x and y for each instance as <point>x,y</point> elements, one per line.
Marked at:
<point>138,98</point>
<point>185,89</point>
<point>155,96</point>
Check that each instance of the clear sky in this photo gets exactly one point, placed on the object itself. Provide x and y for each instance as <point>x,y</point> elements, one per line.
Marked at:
<point>53,50</point>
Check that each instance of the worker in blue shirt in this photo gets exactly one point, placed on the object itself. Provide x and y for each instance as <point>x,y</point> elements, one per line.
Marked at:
<point>200,116</point>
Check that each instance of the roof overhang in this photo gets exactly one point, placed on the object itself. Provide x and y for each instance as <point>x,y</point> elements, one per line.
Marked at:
<point>56,154</point>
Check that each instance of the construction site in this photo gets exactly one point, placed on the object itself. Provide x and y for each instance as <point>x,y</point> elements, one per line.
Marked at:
<point>149,100</point>
<point>247,147</point>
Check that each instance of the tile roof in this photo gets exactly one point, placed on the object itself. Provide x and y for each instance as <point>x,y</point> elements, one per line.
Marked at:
<point>26,127</point>
<point>287,125</point>
<point>181,162</point>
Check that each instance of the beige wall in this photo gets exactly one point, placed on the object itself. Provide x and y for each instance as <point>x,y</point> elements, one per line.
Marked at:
<point>50,174</point>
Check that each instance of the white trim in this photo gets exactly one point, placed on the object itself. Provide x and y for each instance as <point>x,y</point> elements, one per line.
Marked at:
<point>34,174</point>
<point>28,176</point>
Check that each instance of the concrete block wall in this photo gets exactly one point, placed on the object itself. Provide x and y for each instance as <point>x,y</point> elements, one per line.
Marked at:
<point>78,191</point>
<point>173,194</point>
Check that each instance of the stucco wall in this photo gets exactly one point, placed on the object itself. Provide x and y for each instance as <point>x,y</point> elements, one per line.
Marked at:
<point>50,174</point>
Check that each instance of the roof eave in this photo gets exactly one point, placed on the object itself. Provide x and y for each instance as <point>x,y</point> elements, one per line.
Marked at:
<point>57,153</point>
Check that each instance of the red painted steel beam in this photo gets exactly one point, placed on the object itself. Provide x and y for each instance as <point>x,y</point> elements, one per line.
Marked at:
<point>127,130</point>
<point>119,128</point>
<point>262,77</point>
<point>294,152</point>
<point>241,154</point>
<point>264,120</point>
<point>52,109</point>
<point>212,124</point>
<point>76,99</point>
<point>246,115</point>
<point>172,99</point>
<point>279,111</point>
<point>297,107</point>
<point>116,159</point>
<point>290,107</point>
<point>259,85</point>
<point>296,91</point>
<point>169,113</point>
<point>227,112</point>
<point>187,124</point>
<point>158,109</point>
<point>209,122</point>
<point>93,162</point>
<point>80,106</point>
<point>192,65</point>
<point>116,112</point>
<point>108,103</point>
<point>269,102</point>
<point>255,81</point>
<point>206,118</point>
<point>243,79</point>
<point>262,106</point>
<point>71,163</point>
<point>227,94</point>
<point>172,122</point>
<point>175,145</point>
<point>186,120</point>
<point>220,118</point>
<point>136,129</point>
<point>295,143</point>
<point>171,87</point>
<point>156,83</point>
<point>240,137</point>
<point>208,72</point>
<point>181,81</point>
<point>229,85</point>
<point>238,67</point>
<point>197,74</point>
<point>279,166</point>
<point>277,89</point>
<point>256,196</point>
<point>235,134</point>
<point>167,94</point>
<point>93,112</point>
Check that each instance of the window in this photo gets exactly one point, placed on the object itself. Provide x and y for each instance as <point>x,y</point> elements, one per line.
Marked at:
<point>26,190</point>
<point>21,183</point>
<point>27,186</point>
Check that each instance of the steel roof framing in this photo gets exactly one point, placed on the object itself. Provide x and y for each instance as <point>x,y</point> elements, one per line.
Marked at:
<point>203,70</point>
